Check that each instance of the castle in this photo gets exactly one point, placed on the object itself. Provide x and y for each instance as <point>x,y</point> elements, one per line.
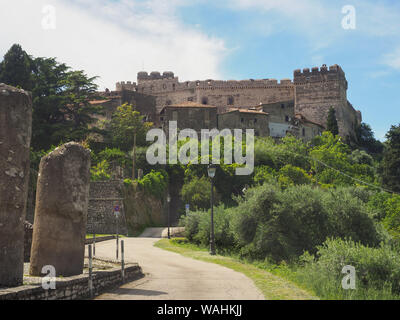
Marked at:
<point>306,99</point>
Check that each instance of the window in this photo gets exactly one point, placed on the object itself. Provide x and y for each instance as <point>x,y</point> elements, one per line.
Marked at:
<point>255,120</point>
<point>282,106</point>
<point>242,120</point>
<point>204,100</point>
<point>304,132</point>
<point>231,101</point>
<point>287,118</point>
<point>207,117</point>
<point>190,99</point>
<point>173,86</point>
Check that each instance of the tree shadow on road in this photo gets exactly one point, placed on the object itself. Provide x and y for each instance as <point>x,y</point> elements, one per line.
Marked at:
<point>138,292</point>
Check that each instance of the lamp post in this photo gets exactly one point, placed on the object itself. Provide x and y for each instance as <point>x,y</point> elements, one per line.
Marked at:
<point>169,200</point>
<point>211,173</point>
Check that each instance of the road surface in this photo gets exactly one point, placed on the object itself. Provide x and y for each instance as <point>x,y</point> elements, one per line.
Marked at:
<point>170,276</point>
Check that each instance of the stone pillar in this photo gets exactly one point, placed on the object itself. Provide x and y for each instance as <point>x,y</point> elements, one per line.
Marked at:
<point>62,196</point>
<point>15,139</point>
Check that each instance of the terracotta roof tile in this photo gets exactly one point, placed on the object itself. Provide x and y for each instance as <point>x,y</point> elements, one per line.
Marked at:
<point>246,111</point>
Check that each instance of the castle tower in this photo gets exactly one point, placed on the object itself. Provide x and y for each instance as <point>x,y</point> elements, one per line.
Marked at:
<point>318,90</point>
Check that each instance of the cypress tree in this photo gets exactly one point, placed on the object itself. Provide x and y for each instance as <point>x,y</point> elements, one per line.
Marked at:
<point>16,68</point>
<point>391,160</point>
<point>332,124</point>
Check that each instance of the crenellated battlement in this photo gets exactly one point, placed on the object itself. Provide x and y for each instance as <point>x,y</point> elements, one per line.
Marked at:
<point>155,75</point>
<point>317,74</point>
<point>157,83</point>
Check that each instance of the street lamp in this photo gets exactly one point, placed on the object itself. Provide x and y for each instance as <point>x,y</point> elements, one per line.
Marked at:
<point>211,173</point>
<point>168,200</point>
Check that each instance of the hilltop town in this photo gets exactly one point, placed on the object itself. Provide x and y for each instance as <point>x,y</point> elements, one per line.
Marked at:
<point>299,106</point>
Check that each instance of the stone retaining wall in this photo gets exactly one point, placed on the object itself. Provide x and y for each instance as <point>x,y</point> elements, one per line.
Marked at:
<point>75,287</point>
<point>103,196</point>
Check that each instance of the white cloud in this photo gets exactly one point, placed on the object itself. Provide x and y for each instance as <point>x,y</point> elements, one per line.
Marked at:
<point>320,22</point>
<point>393,59</point>
<point>113,39</point>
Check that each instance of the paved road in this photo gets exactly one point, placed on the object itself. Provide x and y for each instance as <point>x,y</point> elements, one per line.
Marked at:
<point>170,276</point>
<point>161,232</point>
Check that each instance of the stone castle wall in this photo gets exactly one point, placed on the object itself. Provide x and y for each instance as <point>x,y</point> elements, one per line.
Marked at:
<point>318,90</point>
<point>312,91</point>
<point>222,94</point>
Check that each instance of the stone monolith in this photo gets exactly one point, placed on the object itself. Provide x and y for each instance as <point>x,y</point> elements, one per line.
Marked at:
<point>15,138</point>
<point>62,196</point>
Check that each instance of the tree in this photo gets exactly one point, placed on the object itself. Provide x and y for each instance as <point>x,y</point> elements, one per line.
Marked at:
<point>391,160</point>
<point>366,139</point>
<point>331,123</point>
<point>16,68</point>
<point>61,104</point>
<point>128,129</point>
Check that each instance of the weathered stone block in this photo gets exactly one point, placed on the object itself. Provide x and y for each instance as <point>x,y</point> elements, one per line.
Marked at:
<point>15,137</point>
<point>62,199</point>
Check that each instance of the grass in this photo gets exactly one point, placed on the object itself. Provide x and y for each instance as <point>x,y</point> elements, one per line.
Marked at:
<point>272,286</point>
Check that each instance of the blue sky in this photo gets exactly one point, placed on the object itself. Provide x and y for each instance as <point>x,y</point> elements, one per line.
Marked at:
<point>235,39</point>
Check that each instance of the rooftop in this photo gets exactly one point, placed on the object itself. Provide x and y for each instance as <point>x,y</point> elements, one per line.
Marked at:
<point>246,111</point>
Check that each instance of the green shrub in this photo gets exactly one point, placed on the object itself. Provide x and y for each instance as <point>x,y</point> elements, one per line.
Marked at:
<point>114,155</point>
<point>197,192</point>
<point>290,176</point>
<point>154,183</point>
<point>281,225</point>
<point>100,171</point>
<point>377,271</point>
<point>198,227</point>
<point>191,224</point>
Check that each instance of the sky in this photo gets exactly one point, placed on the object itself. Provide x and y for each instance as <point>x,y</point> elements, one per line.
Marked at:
<point>222,40</point>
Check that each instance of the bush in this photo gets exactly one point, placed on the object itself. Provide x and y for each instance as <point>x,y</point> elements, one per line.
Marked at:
<point>196,192</point>
<point>281,225</point>
<point>154,183</point>
<point>377,271</point>
<point>290,176</point>
<point>198,228</point>
<point>100,171</point>
<point>113,156</point>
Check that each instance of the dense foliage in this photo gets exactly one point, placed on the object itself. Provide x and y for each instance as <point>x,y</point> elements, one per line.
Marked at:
<point>377,270</point>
